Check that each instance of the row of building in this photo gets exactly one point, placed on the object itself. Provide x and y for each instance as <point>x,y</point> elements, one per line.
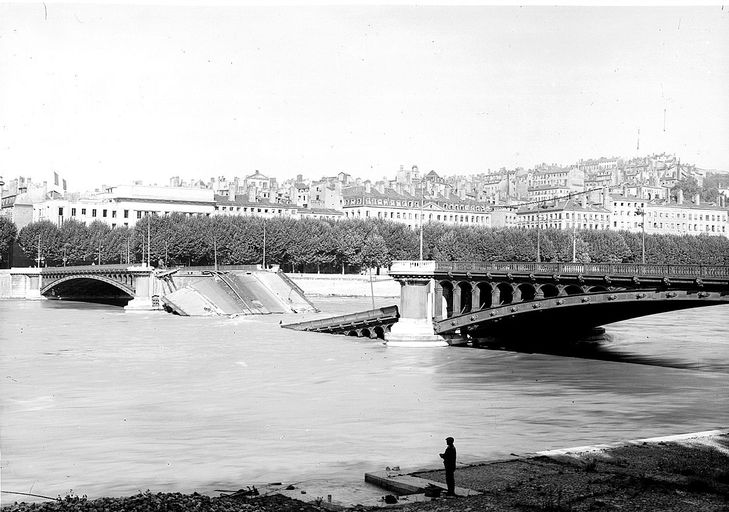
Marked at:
<point>410,198</point>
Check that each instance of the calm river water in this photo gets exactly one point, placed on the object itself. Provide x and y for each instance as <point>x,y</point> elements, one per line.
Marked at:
<point>104,402</point>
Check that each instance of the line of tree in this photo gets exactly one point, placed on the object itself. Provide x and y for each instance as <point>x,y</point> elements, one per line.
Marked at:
<point>347,245</point>
<point>8,234</point>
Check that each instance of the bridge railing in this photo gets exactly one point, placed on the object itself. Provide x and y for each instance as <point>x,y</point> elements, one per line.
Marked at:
<point>614,269</point>
<point>94,268</point>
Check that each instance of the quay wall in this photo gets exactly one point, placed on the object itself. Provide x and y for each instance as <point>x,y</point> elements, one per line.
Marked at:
<point>346,285</point>
<point>18,286</point>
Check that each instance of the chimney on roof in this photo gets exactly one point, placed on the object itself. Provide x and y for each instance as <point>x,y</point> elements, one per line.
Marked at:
<point>697,199</point>
<point>606,198</point>
<point>368,186</point>
<point>380,187</point>
<point>679,197</point>
<point>232,190</point>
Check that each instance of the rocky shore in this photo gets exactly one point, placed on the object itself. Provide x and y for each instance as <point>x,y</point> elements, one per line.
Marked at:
<point>688,473</point>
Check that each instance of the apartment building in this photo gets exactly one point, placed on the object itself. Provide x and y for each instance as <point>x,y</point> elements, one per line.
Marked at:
<point>564,214</point>
<point>125,205</point>
<point>669,218</point>
<point>380,202</point>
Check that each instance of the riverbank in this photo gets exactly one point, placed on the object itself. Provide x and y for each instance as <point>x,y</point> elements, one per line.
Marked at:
<point>683,473</point>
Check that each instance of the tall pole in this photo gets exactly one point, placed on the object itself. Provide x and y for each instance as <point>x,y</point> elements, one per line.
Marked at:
<point>127,250</point>
<point>215,253</point>
<point>99,261</point>
<point>422,199</point>
<point>643,237</point>
<point>641,211</point>
<point>149,241</point>
<point>539,219</point>
<point>574,239</point>
<point>39,250</point>
<point>264,244</point>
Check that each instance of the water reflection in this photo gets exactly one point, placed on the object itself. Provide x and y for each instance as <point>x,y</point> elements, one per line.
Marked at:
<point>600,348</point>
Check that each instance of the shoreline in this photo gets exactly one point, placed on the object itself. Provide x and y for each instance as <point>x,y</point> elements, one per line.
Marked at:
<point>688,472</point>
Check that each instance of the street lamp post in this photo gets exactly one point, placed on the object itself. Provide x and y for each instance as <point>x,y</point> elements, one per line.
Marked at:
<point>539,241</point>
<point>99,263</point>
<point>574,238</point>
<point>39,259</point>
<point>422,198</point>
<point>641,211</point>
<point>215,253</point>
<point>264,245</point>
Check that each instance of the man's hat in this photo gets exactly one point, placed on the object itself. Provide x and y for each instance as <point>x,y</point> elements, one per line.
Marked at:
<point>449,439</point>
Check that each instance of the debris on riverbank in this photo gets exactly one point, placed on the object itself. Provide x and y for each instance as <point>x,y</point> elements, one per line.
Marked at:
<point>685,473</point>
<point>170,502</point>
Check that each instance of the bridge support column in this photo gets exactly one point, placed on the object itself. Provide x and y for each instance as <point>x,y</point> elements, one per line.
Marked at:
<point>415,326</point>
<point>475,298</point>
<point>143,287</point>
<point>456,299</point>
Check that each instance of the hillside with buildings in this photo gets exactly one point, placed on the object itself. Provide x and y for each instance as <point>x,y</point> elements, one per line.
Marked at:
<point>595,194</point>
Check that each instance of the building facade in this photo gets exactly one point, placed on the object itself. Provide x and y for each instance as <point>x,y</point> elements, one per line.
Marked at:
<point>367,202</point>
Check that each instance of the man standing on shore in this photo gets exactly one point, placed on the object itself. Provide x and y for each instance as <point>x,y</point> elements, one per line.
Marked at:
<point>449,462</point>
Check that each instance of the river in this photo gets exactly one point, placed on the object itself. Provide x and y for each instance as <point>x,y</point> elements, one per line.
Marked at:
<point>105,402</point>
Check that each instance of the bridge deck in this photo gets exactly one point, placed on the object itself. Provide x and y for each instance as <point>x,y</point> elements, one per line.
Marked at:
<point>345,323</point>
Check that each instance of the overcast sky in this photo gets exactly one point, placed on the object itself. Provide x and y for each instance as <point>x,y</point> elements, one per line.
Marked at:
<point>107,94</point>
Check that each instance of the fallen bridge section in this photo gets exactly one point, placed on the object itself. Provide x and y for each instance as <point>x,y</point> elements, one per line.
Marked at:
<point>374,323</point>
<point>209,292</point>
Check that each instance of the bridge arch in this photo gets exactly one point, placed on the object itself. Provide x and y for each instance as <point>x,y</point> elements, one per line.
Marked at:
<point>506,293</point>
<point>526,292</point>
<point>447,298</point>
<point>49,288</point>
<point>572,289</point>
<point>597,289</point>
<point>465,292</point>
<point>549,290</point>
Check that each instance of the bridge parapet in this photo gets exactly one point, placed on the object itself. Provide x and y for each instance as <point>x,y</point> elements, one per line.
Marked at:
<point>405,268</point>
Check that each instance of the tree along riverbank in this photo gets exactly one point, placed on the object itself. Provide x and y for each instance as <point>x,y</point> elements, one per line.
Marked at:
<point>689,475</point>
<point>343,246</point>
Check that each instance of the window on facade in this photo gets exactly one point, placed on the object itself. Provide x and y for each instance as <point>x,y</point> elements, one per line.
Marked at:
<point>93,212</point>
<point>139,214</point>
<point>83,211</point>
<point>113,214</point>
<point>73,212</point>
<point>103,213</point>
<point>126,214</point>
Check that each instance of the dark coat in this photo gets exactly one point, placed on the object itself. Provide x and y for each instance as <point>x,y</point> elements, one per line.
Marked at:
<point>449,458</point>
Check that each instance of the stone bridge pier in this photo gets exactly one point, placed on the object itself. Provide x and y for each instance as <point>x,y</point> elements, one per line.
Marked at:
<point>417,299</point>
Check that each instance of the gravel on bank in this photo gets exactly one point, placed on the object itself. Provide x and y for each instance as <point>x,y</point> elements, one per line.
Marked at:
<point>689,475</point>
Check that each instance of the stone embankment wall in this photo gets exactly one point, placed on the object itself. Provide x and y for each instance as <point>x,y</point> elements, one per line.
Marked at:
<point>346,285</point>
<point>18,286</point>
